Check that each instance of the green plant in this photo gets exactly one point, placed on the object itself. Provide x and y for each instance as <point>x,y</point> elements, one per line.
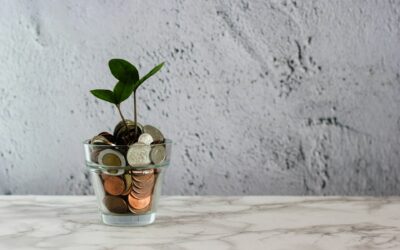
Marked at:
<point>128,83</point>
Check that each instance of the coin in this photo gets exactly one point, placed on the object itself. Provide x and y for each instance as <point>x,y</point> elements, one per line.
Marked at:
<point>138,154</point>
<point>114,172</point>
<point>111,158</point>
<point>128,184</point>
<point>142,187</point>
<point>115,204</point>
<point>108,136</point>
<point>122,124</point>
<point>139,211</point>
<point>104,176</point>
<point>145,138</point>
<point>114,185</point>
<point>158,154</point>
<point>142,172</point>
<point>154,132</point>
<point>100,140</point>
<point>94,154</point>
<point>142,180</point>
<point>125,135</point>
<point>139,203</point>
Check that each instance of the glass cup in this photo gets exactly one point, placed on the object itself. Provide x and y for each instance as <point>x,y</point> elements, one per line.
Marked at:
<point>127,195</point>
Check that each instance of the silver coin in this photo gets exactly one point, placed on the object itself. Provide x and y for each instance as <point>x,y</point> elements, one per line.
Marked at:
<point>146,138</point>
<point>158,154</point>
<point>138,154</point>
<point>154,132</point>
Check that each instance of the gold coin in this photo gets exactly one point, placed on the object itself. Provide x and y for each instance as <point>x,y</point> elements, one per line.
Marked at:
<point>138,154</point>
<point>154,132</point>
<point>158,154</point>
<point>111,158</point>
<point>122,124</point>
<point>125,135</point>
<point>128,184</point>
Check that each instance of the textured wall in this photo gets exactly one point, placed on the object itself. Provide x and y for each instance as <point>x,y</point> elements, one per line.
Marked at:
<point>260,97</point>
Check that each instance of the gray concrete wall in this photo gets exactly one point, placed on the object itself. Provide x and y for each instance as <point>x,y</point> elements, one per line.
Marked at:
<point>260,97</point>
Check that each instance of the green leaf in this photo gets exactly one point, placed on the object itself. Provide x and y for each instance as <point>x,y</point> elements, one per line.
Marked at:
<point>105,95</point>
<point>123,90</point>
<point>123,70</point>
<point>148,75</point>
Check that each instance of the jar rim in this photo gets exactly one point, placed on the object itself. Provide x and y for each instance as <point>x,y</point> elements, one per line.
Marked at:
<point>87,143</point>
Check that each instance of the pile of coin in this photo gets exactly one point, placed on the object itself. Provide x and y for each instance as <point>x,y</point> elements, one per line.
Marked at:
<point>131,192</point>
<point>127,188</point>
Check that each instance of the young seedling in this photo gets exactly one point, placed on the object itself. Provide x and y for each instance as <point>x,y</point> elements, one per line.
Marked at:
<point>128,82</point>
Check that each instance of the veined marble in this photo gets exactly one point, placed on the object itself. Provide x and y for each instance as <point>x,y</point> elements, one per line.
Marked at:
<point>251,222</point>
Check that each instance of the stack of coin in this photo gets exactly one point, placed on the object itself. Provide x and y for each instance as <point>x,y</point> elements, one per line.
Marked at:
<point>140,197</point>
<point>131,191</point>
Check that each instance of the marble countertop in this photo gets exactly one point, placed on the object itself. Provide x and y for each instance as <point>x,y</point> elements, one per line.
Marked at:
<point>251,222</point>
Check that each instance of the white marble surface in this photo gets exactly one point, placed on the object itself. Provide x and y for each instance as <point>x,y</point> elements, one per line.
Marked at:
<point>72,222</point>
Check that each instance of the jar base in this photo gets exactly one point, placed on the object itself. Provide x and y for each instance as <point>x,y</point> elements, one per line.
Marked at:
<point>128,220</point>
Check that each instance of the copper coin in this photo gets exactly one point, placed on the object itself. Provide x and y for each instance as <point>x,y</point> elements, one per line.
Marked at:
<point>115,204</point>
<point>141,188</point>
<point>114,185</point>
<point>141,193</point>
<point>139,203</point>
<point>139,211</point>
<point>127,191</point>
<point>142,178</point>
<point>141,182</point>
<point>143,185</point>
<point>104,176</point>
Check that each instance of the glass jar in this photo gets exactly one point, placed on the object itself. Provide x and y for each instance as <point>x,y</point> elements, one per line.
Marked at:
<point>127,195</point>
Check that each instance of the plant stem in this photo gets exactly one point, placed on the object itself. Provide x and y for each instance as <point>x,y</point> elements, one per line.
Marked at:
<point>135,112</point>
<point>123,119</point>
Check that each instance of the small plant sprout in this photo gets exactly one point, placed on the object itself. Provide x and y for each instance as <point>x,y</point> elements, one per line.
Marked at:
<point>128,83</point>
